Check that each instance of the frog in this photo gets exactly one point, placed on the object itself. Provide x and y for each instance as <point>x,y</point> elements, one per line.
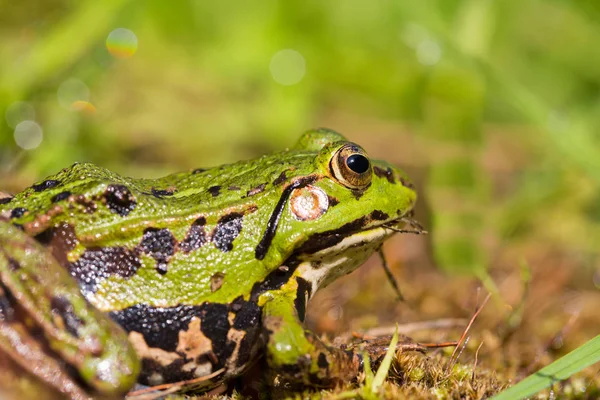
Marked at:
<point>192,278</point>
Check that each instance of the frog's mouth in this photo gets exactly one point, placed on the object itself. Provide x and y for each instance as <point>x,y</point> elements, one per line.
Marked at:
<point>328,255</point>
<point>372,227</point>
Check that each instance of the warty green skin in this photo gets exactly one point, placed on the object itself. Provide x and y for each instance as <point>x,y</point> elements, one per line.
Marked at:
<point>207,251</point>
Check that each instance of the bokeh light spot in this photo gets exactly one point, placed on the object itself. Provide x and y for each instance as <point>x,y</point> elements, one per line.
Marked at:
<point>28,135</point>
<point>70,91</point>
<point>17,112</point>
<point>428,52</point>
<point>287,67</point>
<point>122,43</point>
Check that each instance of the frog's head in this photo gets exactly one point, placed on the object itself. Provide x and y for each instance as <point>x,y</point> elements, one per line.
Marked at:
<point>338,209</point>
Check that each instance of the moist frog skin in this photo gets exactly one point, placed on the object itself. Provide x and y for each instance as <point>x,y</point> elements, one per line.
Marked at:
<point>197,274</point>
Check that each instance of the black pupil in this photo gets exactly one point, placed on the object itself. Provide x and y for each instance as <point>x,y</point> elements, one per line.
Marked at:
<point>358,163</point>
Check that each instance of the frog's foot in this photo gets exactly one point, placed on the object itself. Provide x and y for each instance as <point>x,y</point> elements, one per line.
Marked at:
<point>297,359</point>
<point>376,348</point>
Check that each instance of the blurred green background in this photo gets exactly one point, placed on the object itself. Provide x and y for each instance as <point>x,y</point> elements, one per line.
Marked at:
<point>492,107</point>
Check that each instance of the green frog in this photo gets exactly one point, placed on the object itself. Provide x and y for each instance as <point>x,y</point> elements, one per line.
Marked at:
<point>107,280</point>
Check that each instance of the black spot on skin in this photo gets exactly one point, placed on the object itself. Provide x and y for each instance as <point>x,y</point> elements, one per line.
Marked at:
<point>61,239</point>
<point>228,228</point>
<point>160,245</point>
<point>18,212</point>
<point>233,187</point>
<point>258,189</point>
<point>333,201</point>
<point>248,319</point>
<point>162,192</point>
<point>63,308</point>
<point>119,199</point>
<point>214,190</point>
<point>384,173</point>
<point>13,264</point>
<point>198,171</point>
<point>379,215</point>
<point>61,196</point>
<point>358,193</point>
<point>196,236</point>
<point>322,361</point>
<point>7,311</point>
<point>47,184</point>
<point>99,263</point>
<point>302,295</point>
<point>6,200</point>
<point>280,179</point>
<point>247,314</point>
<point>406,183</point>
<point>89,206</point>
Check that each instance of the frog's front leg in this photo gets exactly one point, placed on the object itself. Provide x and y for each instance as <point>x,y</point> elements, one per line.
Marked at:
<point>48,329</point>
<point>296,357</point>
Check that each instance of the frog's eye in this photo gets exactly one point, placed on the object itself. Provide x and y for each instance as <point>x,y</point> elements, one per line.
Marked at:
<point>350,165</point>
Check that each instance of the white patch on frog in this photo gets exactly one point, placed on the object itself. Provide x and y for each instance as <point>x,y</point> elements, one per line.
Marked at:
<point>308,203</point>
<point>325,266</point>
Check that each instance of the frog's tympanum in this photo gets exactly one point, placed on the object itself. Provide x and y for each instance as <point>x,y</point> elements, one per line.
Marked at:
<point>197,274</point>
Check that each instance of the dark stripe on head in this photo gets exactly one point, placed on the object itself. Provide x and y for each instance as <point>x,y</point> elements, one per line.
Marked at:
<point>320,241</point>
<point>6,200</point>
<point>265,242</point>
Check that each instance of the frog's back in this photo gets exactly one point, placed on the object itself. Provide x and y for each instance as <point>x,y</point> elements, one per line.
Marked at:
<point>160,242</point>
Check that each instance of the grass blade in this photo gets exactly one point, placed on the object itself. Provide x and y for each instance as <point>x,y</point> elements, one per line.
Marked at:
<point>383,369</point>
<point>563,368</point>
